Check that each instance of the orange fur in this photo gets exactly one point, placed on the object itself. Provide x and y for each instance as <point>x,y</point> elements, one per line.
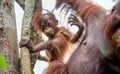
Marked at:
<point>35,24</point>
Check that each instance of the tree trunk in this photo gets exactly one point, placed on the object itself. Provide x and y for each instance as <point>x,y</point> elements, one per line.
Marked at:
<point>8,36</point>
<point>26,26</point>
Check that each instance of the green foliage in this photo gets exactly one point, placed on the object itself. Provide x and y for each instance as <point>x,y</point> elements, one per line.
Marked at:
<point>3,64</point>
<point>33,71</point>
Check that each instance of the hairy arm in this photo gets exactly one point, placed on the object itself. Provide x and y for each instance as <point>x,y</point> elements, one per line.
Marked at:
<point>75,20</point>
<point>43,46</point>
<point>48,45</point>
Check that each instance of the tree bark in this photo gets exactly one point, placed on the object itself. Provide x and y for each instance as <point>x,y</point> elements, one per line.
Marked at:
<point>8,36</point>
<point>26,29</point>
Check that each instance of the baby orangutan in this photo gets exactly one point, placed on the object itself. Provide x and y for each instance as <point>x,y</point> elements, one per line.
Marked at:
<point>58,42</point>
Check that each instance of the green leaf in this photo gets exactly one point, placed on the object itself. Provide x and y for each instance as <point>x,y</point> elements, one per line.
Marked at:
<point>3,64</point>
<point>33,72</point>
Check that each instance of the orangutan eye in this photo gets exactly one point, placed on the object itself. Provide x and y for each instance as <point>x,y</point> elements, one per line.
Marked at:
<point>43,26</point>
<point>49,24</point>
